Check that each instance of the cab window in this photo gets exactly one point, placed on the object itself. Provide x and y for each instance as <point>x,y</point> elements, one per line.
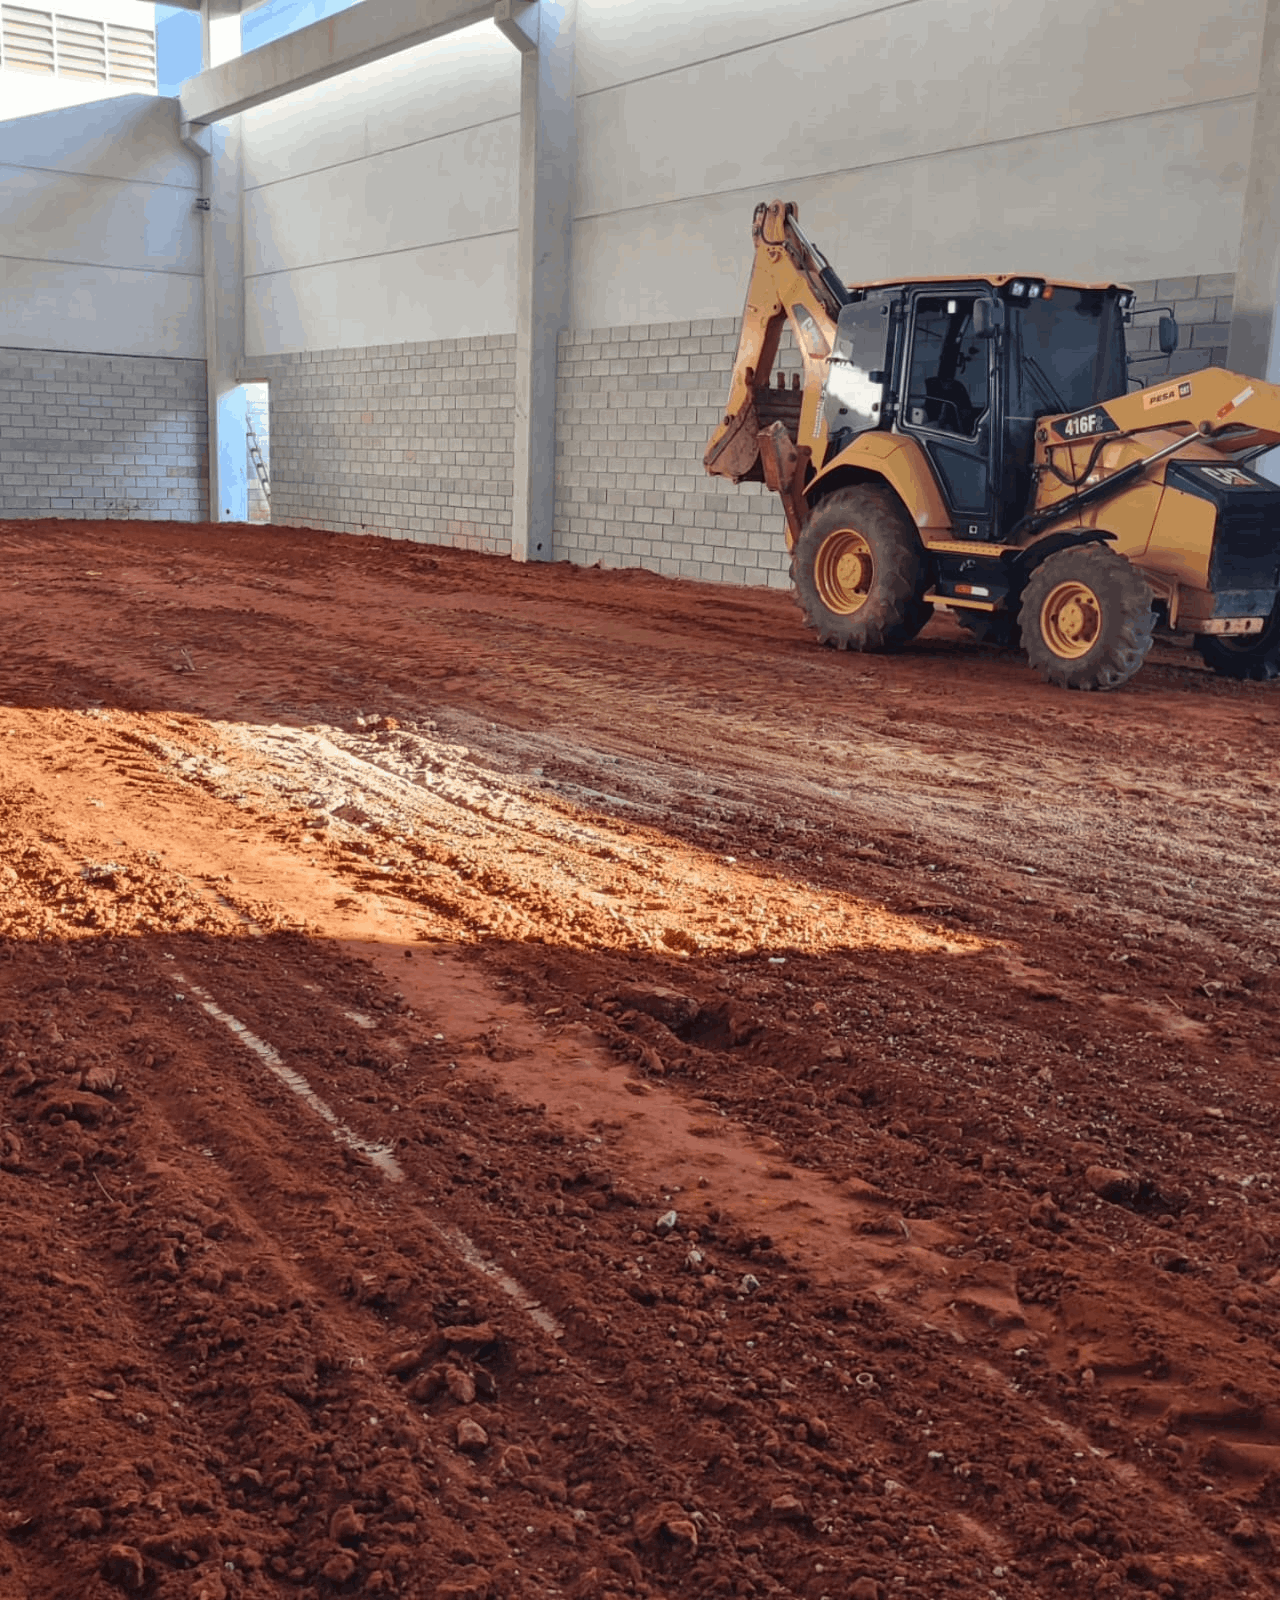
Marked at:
<point>947,384</point>
<point>1067,351</point>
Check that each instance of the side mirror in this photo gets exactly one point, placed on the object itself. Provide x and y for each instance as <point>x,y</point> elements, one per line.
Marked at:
<point>984,319</point>
<point>1168,335</point>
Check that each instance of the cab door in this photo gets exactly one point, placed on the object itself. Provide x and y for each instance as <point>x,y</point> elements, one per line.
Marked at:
<point>949,405</point>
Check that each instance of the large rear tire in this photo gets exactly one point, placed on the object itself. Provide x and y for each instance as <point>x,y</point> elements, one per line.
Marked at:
<point>859,571</point>
<point>1249,655</point>
<point>1087,618</point>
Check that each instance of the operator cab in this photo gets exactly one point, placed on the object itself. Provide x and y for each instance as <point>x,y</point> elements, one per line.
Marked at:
<point>1063,351</point>
<point>967,368</point>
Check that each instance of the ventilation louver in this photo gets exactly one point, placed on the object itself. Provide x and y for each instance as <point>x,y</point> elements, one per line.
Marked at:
<point>26,39</point>
<point>131,55</point>
<point>76,47</point>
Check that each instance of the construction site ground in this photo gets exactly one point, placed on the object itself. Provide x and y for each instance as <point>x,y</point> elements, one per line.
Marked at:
<point>521,1081</point>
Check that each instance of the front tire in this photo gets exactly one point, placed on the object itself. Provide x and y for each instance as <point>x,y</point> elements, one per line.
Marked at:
<point>1086,618</point>
<point>1250,655</point>
<point>859,571</point>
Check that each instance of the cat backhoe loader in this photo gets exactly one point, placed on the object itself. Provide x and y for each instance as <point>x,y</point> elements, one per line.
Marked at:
<point>969,443</point>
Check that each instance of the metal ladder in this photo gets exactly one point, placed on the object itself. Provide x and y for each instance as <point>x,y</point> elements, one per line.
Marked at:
<point>255,455</point>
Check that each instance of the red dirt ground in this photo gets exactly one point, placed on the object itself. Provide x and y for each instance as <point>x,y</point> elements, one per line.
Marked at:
<point>541,1082</point>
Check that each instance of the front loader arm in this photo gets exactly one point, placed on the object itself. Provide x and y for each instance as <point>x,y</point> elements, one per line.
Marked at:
<point>1232,412</point>
<point>791,281</point>
<point>1085,458</point>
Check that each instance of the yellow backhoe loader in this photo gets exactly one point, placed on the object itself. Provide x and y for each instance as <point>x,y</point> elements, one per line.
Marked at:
<point>969,443</point>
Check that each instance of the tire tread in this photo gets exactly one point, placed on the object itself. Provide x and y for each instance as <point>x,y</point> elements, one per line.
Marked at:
<point>1127,637</point>
<point>894,612</point>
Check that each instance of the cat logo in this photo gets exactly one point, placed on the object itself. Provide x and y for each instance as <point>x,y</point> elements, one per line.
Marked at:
<point>1233,478</point>
<point>813,338</point>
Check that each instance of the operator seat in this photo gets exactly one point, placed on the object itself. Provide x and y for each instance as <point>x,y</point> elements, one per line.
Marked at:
<point>947,405</point>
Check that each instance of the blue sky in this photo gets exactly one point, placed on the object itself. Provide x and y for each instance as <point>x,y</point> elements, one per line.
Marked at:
<point>178,33</point>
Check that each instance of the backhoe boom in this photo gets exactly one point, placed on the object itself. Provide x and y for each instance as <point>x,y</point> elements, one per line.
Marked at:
<point>791,282</point>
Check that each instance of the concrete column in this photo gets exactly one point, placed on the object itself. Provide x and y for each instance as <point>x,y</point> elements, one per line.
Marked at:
<point>544,33</point>
<point>1253,347</point>
<point>222,186</point>
<point>219,32</point>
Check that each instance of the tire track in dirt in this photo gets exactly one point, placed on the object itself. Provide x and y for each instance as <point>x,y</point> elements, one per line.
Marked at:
<point>168,1291</point>
<point>1076,1121</point>
<point>1002,1384</point>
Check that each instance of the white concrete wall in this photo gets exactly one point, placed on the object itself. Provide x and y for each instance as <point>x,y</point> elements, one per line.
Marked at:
<point>1105,138</point>
<point>99,236</point>
<point>381,208</point>
<point>24,94</point>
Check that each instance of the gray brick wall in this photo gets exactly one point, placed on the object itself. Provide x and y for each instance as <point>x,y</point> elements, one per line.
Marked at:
<point>102,436</point>
<point>635,409</point>
<point>412,441</point>
<point>1202,306</point>
<point>415,440</point>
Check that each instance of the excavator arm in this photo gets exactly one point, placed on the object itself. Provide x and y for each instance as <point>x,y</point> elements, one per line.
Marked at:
<point>775,434</point>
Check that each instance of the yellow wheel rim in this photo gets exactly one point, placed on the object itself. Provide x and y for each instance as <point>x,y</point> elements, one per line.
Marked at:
<point>843,571</point>
<point>1071,620</point>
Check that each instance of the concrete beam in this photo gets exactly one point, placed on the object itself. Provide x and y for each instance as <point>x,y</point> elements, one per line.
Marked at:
<point>518,20</point>
<point>544,33</point>
<point>353,38</point>
<point>1252,348</point>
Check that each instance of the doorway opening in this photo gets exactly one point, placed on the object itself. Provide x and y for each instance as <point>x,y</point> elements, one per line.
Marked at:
<point>257,442</point>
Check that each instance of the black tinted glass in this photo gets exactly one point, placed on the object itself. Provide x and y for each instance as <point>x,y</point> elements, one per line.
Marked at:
<point>1068,351</point>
